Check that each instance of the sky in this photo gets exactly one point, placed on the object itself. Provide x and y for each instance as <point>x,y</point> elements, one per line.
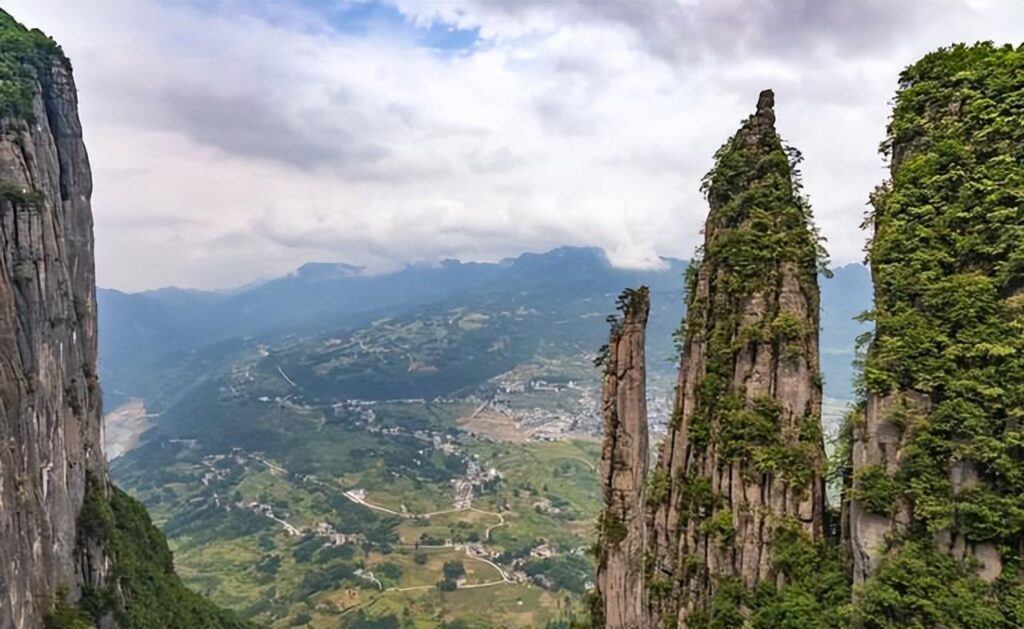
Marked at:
<point>233,142</point>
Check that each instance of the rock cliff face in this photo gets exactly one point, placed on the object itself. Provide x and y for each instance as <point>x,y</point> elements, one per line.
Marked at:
<point>49,395</point>
<point>933,529</point>
<point>877,449</point>
<point>75,552</point>
<point>744,456</point>
<point>623,470</point>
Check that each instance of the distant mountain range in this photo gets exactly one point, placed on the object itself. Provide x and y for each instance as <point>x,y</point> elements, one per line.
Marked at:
<point>556,300</point>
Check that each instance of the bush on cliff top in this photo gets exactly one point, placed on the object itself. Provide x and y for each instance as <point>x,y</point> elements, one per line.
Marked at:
<point>24,54</point>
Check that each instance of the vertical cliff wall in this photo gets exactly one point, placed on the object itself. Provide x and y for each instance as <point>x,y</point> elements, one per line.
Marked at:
<point>743,461</point>
<point>49,394</point>
<point>75,552</point>
<point>938,452</point>
<point>621,576</point>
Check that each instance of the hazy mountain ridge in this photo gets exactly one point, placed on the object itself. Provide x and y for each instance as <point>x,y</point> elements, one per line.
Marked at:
<point>141,333</point>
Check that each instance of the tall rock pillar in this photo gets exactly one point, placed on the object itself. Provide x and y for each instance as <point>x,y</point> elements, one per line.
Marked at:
<point>623,468</point>
<point>744,457</point>
<point>49,391</point>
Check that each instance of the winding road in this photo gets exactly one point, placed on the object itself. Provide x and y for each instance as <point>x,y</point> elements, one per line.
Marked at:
<point>403,514</point>
<point>352,496</point>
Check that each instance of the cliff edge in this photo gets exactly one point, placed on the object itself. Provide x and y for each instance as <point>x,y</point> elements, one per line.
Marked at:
<point>75,552</point>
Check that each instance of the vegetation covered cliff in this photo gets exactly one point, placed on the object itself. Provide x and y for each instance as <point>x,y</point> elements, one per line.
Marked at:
<point>930,529</point>
<point>741,470</point>
<point>738,489</point>
<point>937,498</point>
<point>74,550</point>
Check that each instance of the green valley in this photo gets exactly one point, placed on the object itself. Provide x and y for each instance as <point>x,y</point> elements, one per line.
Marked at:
<point>328,476</point>
<point>284,510</point>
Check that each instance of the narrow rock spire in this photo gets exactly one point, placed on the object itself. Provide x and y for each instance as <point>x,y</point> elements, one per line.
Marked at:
<point>744,457</point>
<point>623,468</point>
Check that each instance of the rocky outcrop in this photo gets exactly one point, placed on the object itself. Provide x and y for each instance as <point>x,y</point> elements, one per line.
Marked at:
<point>744,456</point>
<point>74,551</point>
<point>877,449</point>
<point>743,461</point>
<point>623,469</point>
<point>932,483</point>
<point>49,394</point>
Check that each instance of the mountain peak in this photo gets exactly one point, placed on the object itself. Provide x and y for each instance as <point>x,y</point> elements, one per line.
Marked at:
<point>766,101</point>
<point>327,270</point>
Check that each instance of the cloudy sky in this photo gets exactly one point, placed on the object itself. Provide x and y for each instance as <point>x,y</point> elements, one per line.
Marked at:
<point>232,142</point>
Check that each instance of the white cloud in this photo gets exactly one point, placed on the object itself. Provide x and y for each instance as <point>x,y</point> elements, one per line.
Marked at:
<point>230,143</point>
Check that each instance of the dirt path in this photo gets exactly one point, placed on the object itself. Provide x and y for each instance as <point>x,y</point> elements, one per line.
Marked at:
<point>405,514</point>
<point>487,532</point>
<point>276,468</point>
<point>504,577</point>
<point>579,458</point>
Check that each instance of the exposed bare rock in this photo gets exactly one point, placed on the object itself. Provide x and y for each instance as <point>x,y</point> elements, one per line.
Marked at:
<point>878,444</point>
<point>49,393</point>
<point>72,546</point>
<point>623,468</point>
